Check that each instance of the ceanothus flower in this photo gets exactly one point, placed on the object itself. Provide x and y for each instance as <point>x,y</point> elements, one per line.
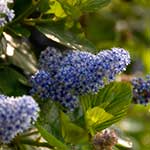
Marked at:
<point>85,72</point>
<point>6,14</point>
<point>64,76</point>
<point>141,90</point>
<point>50,60</point>
<point>3,97</point>
<point>16,116</point>
<point>46,87</point>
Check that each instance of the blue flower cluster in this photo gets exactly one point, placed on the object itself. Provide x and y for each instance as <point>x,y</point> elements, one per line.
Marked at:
<point>16,116</point>
<point>63,76</point>
<point>141,90</point>
<point>6,14</point>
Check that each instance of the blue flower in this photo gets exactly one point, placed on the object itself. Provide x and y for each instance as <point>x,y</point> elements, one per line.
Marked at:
<point>2,97</point>
<point>16,116</point>
<point>64,76</point>
<point>41,82</point>
<point>50,60</point>
<point>6,14</point>
<point>141,90</point>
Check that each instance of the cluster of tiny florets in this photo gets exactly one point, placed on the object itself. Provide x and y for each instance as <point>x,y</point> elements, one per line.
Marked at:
<point>6,14</point>
<point>141,90</point>
<point>65,76</point>
<point>50,60</point>
<point>105,140</point>
<point>16,116</point>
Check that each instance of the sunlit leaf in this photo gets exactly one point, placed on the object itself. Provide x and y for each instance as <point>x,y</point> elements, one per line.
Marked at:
<point>114,99</point>
<point>56,9</point>
<point>20,53</point>
<point>93,5</point>
<point>146,59</point>
<point>96,115</point>
<point>58,33</point>
<point>71,8</point>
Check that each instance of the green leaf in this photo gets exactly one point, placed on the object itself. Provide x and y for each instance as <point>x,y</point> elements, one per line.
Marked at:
<point>11,82</point>
<point>20,30</point>
<point>51,139</point>
<point>24,8</point>
<point>50,117</point>
<point>115,148</point>
<point>76,8</point>
<point>95,116</point>
<point>58,33</point>
<point>114,98</point>
<point>71,8</point>
<point>71,132</point>
<point>56,9</point>
<point>93,5</point>
<point>44,5</point>
<point>21,5</point>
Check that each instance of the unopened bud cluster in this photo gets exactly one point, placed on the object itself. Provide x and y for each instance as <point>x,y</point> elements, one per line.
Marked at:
<point>105,140</point>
